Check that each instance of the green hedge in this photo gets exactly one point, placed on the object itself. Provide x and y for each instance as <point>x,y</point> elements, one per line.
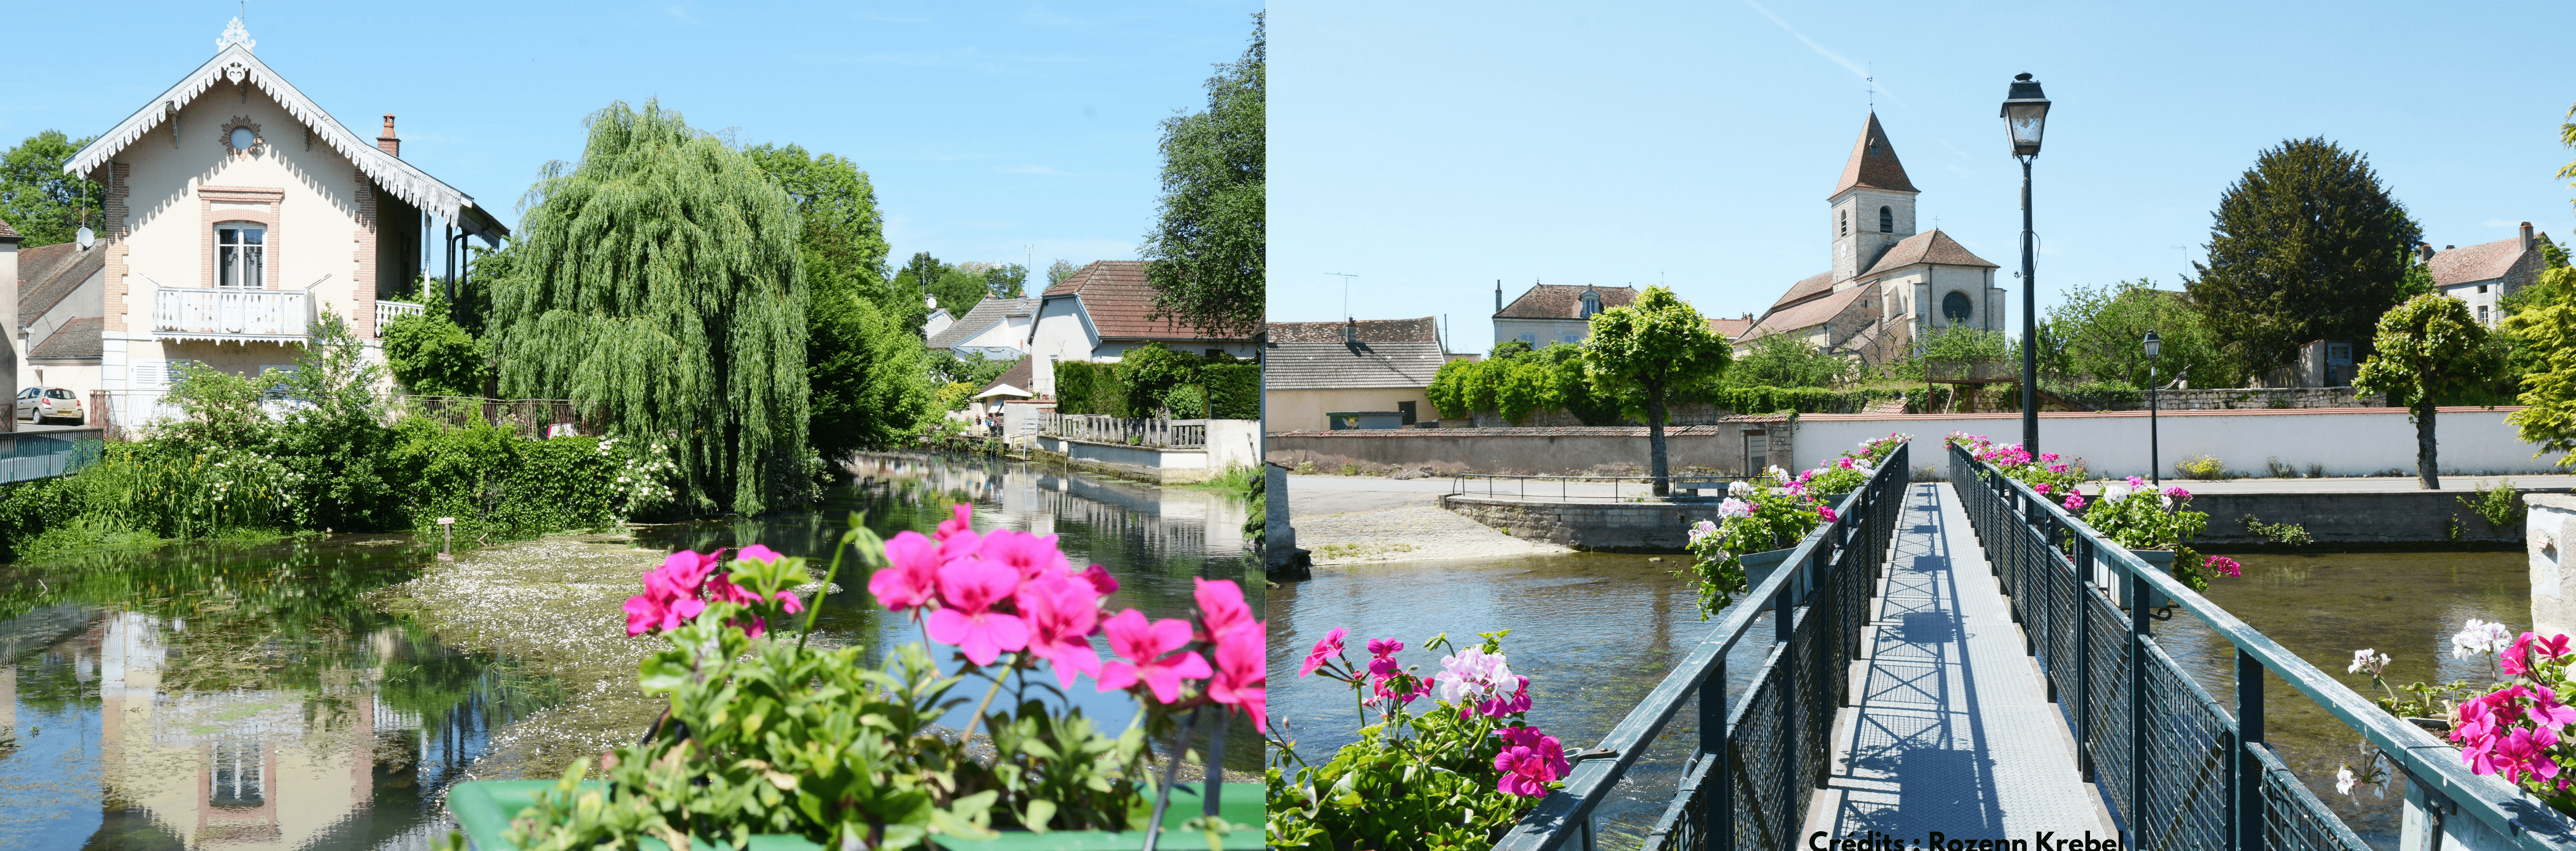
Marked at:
<point>1758,399</point>
<point>1233,390</point>
<point>1082,387</point>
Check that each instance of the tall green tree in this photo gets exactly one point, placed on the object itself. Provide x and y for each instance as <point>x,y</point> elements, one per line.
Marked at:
<point>1060,270</point>
<point>660,283</point>
<point>37,199</point>
<point>1009,280</point>
<point>2104,329</point>
<point>865,385</point>
<point>1207,253</point>
<point>957,287</point>
<point>2306,245</point>
<point>2425,349</point>
<point>1642,353</point>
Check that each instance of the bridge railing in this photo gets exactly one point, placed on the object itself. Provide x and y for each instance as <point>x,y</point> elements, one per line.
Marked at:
<point>2184,772</point>
<point>1763,754</point>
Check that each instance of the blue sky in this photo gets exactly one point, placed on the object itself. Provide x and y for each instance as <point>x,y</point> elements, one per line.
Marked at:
<point>986,127</point>
<point>1432,148</point>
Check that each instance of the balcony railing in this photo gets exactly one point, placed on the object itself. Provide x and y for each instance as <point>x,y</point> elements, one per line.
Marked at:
<point>1102,428</point>
<point>388,311</point>
<point>231,314</point>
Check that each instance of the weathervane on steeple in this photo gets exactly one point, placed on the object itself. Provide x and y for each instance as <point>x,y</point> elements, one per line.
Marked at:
<point>235,34</point>
<point>1871,77</point>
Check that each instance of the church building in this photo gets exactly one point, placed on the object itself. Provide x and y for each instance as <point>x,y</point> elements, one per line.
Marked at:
<point>238,213</point>
<point>1889,285</point>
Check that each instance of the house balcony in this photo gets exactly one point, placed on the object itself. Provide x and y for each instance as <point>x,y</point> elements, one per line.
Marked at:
<point>388,311</point>
<point>224,314</point>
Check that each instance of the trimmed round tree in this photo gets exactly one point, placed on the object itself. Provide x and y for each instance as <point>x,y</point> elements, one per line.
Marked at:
<point>1640,354</point>
<point>659,286</point>
<point>2427,348</point>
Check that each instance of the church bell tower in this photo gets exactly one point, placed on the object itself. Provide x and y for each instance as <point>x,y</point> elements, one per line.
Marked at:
<point>1872,206</point>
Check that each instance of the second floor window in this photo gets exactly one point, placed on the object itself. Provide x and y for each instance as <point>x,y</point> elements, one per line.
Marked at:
<point>241,255</point>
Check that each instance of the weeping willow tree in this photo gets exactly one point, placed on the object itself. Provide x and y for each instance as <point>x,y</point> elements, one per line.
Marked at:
<point>658,284</point>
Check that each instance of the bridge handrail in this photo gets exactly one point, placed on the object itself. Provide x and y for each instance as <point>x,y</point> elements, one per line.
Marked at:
<point>1867,513</point>
<point>2430,762</point>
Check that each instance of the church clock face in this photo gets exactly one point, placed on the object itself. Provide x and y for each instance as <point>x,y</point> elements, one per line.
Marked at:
<point>1956,307</point>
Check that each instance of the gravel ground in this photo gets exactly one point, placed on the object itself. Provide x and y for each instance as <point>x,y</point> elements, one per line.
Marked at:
<point>1407,534</point>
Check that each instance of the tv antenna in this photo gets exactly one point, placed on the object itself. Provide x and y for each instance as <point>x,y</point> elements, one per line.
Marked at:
<point>1346,291</point>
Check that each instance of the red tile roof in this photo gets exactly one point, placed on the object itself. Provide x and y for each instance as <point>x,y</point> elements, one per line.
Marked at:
<point>1930,246</point>
<point>1806,314</point>
<point>2481,262</point>
<point>1806,288</point>
<point>1730,328</point>
<point>1423,330</point>
<point>7,232</point>
<point>1119,300</point>
<point>1018,376</point>
<point>1873,163</point>
<point>1561,301</point>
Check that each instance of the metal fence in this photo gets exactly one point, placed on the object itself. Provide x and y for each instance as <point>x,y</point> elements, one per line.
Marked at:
<point>1762,755</point>
<point>2184,772</point>
<point>1563,488</point>
<point>1126,431</point>
<point>29,455</point>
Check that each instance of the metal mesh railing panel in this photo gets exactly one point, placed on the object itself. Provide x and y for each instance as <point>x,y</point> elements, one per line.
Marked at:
<point>2293,818</point>
<point>2185,806</point>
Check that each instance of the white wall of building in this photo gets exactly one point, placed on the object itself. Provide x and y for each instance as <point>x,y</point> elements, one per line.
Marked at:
<point>1063,333</point>
<point>2347,441</point>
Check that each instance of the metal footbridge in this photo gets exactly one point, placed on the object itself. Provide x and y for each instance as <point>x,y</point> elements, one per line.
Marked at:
<point>1953,662</point>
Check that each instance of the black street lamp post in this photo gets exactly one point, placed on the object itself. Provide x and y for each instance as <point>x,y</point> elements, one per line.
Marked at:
<point>2025,114</point>
<point>2154,344</point>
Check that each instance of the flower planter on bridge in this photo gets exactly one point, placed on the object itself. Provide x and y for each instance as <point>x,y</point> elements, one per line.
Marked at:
<point>483,808</point>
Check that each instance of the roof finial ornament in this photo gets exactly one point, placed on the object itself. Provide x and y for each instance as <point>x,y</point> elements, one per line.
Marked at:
<point>235,34</point>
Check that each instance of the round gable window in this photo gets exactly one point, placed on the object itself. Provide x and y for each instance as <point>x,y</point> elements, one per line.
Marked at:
<point>242,138</point>
<point>1957,307</point>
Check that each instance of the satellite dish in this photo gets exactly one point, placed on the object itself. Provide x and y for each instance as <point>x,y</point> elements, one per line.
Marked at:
<point>85,237</point>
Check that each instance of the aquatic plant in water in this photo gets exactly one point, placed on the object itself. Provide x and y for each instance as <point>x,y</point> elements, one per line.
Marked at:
<point>1455,776</point>
<point>765,735</point>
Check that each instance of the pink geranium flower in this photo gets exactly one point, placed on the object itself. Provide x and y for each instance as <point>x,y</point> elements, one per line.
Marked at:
<point>1826,512</point>
<point>1325,648</point>
<point>758,553</point>
<point>1061,612</point>
<point>2223,564</point>
<point>1240,652</point>
<point>1142,646</point>
<point>1032,555</point>
<point>2074,502</point>
<point>970,587</point>
<point>1100,580</point>
<point>2516,660</point>
<point>911,577</point>
<point>1530,760</point>
<point>1221,605</point>
<point>962,513</point>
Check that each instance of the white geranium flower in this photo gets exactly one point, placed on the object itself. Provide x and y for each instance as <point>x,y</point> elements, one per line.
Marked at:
<point>2344,780</point>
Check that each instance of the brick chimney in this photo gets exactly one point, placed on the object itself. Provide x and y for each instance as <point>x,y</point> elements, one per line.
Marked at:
<point>2526,236</point>
<point>387,143</point>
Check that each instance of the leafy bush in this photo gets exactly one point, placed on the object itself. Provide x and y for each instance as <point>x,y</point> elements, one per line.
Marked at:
<point>2501,505</point>
<point>1083,387</point>
<point>2203,467</point>
<point>2291,534</point>
<point>1233,390</point>
<point>433,356</point>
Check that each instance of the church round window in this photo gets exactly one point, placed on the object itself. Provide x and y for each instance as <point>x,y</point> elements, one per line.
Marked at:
<point>1957,307</point>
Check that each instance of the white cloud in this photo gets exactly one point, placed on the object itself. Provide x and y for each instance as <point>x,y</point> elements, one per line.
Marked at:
<point>1858,71</point>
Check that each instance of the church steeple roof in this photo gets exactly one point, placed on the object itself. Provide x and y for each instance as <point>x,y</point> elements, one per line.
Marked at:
<point>1873,163</point>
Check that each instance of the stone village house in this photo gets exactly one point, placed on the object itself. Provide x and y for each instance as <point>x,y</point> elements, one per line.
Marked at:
<point>238,212</point>
<point>1375,366</point>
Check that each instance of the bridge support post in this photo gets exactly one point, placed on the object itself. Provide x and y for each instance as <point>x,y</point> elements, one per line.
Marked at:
<point>2084,556</point>
<point>2138,807</point>
<point>2247,803</point>
<point>1717,820</point>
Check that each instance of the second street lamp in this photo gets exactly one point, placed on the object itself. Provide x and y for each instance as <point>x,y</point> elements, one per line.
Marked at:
<point>2025,115</point>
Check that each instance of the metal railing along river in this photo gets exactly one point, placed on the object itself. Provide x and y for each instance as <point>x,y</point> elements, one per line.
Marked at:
<point>1761,755</point>
<point>1561,488</point>
<point>2184,772</point>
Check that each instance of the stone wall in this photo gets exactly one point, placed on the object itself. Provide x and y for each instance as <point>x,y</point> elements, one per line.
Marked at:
<point>1623,527</point>
<point>2395,517</point>
<point>2548,529</point>
<point>1567,451</point>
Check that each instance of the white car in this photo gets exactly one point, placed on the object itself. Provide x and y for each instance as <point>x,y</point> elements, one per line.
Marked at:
<point>38,404</point>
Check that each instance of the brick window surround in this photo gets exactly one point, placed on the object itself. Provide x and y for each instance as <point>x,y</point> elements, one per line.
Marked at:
<point>241,204</point>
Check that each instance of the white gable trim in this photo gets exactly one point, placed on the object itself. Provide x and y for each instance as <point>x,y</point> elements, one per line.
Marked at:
<point>236,64</point>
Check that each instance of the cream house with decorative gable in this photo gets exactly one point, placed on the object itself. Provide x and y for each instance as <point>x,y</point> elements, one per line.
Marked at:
<point>239,212</point>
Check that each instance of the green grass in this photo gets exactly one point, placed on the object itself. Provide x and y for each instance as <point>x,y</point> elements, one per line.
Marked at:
<point>1235,478</point>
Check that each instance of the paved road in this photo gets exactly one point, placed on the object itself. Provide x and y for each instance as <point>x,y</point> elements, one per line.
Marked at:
<point>1953,731</point>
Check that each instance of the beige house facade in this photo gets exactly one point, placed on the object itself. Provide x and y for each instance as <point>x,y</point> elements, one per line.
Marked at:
<point>239,213</point>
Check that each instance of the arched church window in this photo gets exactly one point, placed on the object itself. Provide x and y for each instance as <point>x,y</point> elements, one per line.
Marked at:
<point>1957,307</point>
<point>1886,220</point>
<point>1843,219</point>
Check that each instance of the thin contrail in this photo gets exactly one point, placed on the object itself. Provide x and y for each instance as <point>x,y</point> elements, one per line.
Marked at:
<point>1857,70</point>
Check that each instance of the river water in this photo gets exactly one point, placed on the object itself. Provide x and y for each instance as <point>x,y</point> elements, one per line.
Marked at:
<point>1595,632</point>
<point>249,696</point>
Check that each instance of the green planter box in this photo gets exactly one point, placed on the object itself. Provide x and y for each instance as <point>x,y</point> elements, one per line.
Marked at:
<point>484,809</point>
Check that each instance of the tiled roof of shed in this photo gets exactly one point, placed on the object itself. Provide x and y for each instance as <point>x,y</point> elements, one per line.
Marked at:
<point>78,338</point>
<point>1334,366</point>
<point>47,273</point>
<point>1119,299</point>
<point>1561,301</point>
<point>1423,330</point>
<point>1017,376</point>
